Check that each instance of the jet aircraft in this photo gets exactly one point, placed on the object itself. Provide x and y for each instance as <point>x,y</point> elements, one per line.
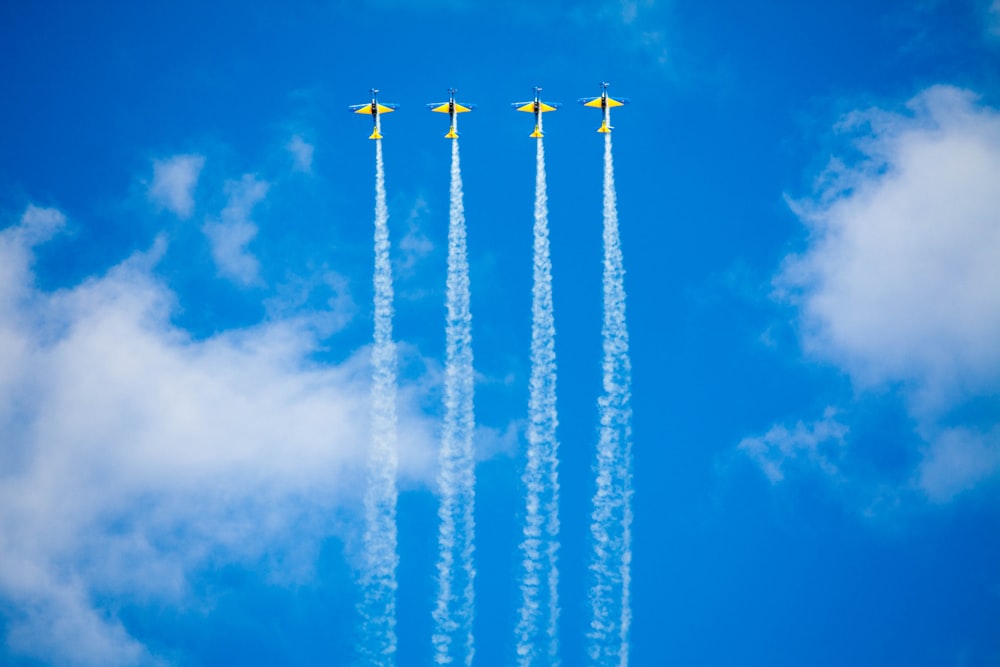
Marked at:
<point>536,107</point>
<point>376,109</point>
<point>451,107</point>
<point>604,103</point>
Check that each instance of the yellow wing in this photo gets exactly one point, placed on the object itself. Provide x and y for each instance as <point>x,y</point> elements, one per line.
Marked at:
<point>386,109</point>
<point>461,108</point>
<point>542,106</point>
<point>596,102</point>
<point>529,107</point>
<point>443,108</point>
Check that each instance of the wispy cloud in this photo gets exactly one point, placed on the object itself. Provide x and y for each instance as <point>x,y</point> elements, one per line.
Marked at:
<point>302,153</point>
<point>174,181</point>
<point>414,246</point>
<point>898,283</point>
<point>993,19</point>
<point>233,230</point>
<point>817,445</point>
<point>640,25</point>
<point>322,300</point>
<point>134,455</point>
<point>957,460</point>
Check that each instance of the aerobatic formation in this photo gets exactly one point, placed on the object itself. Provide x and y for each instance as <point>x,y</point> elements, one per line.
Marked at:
<point>604,102</point>
<point>536,633</point>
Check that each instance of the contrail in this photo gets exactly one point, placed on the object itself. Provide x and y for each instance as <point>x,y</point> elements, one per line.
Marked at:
<point>537,627</point>
<point>611,519</point>
<point>453,614</point>
<point>378,608</point>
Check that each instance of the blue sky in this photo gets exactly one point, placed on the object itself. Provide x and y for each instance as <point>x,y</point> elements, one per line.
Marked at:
<point>809,201</point>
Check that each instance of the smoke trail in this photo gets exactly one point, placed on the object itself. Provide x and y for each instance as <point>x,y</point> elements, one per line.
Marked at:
<point>378,608</point>
<point>453,613</point>
<point>537,645</point>
<point>611,519</point>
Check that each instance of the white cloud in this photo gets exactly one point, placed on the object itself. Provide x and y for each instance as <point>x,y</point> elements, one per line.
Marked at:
<point>899,283</point>
<point>174,180</point>
<point>134,455</point>
<point>815,445</point>
<point>302,153</point>
<point>233,230</point>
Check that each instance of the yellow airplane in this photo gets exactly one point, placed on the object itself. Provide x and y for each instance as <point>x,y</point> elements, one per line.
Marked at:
<point>604,103</point>
<point>451,107</point>
<point>376,109</point>
<point>536,107</point>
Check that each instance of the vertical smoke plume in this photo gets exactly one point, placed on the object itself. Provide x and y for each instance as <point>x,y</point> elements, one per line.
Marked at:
<point>611,519</point>
<point>538,620</point>
<point>453,613</point>
<point>378,608</point>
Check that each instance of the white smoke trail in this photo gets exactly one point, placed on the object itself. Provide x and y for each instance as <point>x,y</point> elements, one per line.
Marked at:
<point>453,614</point>
<point>537,645</point>
<point>378,608</point>
<point>611,519</point>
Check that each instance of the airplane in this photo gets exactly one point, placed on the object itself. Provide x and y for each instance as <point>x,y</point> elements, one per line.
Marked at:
<point>604,103</point>
<point>451,107</point>
<point>536,107</point>
<point>376,109</point>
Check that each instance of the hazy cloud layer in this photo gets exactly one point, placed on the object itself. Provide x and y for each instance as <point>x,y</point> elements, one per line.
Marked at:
<point>898,284</point>
<point>174,180</point>
<point>133,455</point>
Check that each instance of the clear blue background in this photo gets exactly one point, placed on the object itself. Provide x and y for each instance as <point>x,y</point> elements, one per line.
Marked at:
<point>733,106</point>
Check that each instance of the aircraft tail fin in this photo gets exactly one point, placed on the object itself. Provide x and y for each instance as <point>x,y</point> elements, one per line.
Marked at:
<point>375,135</point>
<point>452,134</point>
<point>604,128</point>
<point>537,134</point>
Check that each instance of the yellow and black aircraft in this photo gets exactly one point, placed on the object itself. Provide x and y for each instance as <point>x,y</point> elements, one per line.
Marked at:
<point>536,107</point>
<point>604,103</point>
<point>451,107</point>
<point>375,109</point>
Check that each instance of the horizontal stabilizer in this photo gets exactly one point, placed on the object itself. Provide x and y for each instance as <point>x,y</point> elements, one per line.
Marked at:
<point>537,134</point>
<point>604,128</point>
<point>452,134</point>
<point>375,135</point>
